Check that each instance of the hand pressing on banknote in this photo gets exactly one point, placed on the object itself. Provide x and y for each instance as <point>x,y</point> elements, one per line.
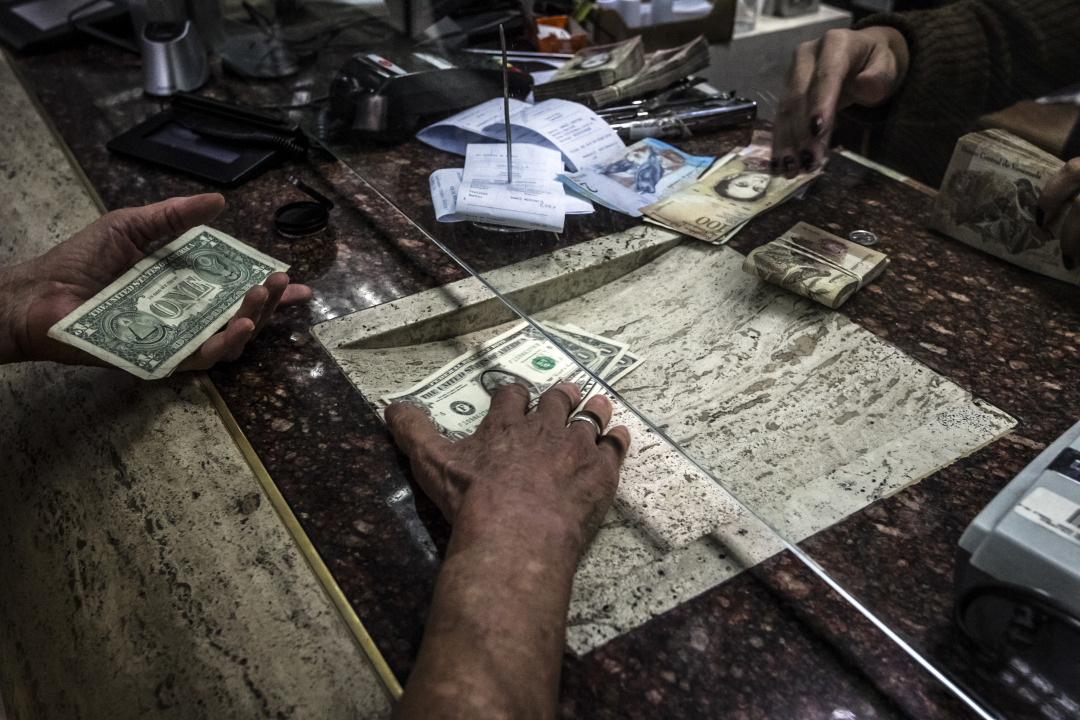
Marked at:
<point>38,293</point>
<point>525,493</point>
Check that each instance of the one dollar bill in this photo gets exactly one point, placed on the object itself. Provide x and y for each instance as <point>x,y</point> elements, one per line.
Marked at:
<point>169,304</point>
<point>457,396</point>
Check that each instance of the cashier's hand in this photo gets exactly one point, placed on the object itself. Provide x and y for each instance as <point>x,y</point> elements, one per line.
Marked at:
<point>526,465</point>
<point>38,293</point>
<point>841,68</point>
<point>1060,202</point>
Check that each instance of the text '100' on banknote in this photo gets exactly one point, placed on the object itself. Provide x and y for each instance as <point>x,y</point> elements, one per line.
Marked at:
<point>169,304</point>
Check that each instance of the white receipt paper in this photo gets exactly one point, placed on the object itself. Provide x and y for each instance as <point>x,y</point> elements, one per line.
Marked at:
<point>535,200</point>
<point>577,132</point>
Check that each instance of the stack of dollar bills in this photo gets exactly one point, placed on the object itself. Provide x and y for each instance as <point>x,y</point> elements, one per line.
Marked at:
<point>457,396</point>
<point>988,200</point>
<point>168,304</point>
<point>816,264</point>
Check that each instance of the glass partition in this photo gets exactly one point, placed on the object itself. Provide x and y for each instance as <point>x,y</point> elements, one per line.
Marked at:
<point>865,440</point>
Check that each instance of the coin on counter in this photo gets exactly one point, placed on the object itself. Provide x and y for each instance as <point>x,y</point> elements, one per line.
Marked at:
<point>862,237</point>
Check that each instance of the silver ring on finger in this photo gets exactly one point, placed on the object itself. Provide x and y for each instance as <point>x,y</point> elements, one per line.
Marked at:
<point>589,417</point>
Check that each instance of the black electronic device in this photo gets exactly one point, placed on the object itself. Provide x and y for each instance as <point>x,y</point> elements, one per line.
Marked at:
<point>224,143</point>
<point>386,94</point>
<point>1018,575</point>
<point>31,24</point>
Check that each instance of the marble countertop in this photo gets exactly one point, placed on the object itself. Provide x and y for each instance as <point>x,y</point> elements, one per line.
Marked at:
<point>775,641</point>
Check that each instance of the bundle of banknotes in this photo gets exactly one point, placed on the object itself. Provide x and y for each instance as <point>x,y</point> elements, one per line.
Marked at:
<point>456,397</point>
<point>593,68</point>
<point>167,305</point>
<point>731,192</point>
<point>988,199</point>
<point>660,69</point>
<point>816,264</point>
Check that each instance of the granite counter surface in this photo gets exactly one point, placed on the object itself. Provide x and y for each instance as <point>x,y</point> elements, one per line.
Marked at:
<point>773,642</point>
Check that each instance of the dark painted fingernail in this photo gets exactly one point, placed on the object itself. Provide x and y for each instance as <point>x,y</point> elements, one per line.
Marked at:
<point>817,125</point>
<point>1040,216</point>
<point>774,165</point>
<point>1068,261</point>
<point>789,164</point>
<point>807,159</point>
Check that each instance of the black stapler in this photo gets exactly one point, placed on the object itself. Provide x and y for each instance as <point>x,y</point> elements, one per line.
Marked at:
<point>387,94</point>
<point>217,141</point>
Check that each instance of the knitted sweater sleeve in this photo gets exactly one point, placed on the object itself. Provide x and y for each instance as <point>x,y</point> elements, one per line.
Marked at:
<point>970,58</point>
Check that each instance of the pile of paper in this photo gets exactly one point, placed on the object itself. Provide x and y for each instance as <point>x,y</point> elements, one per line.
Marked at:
<point>545,137</point>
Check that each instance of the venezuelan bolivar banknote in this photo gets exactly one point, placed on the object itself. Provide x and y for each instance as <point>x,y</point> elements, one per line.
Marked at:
<point>727,195</point>
<point>169,304</point>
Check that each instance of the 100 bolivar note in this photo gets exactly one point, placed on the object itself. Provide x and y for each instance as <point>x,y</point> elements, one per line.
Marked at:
<point>728,194</point>
<point>170,303</point>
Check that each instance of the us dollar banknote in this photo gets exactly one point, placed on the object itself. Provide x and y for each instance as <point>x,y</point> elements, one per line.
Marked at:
<point>727,195</point>
<point>457,396</point>
<point>170,303</point>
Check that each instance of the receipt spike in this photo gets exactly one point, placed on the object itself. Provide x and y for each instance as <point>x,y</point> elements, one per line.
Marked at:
<point>506,109</point>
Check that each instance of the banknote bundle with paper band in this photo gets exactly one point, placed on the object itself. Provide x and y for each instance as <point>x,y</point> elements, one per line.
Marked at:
<point>593,68</point>
<point>816,264</point>
<point>988,199</point>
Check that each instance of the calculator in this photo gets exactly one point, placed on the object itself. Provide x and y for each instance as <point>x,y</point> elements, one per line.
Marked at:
<point>1017,577</point>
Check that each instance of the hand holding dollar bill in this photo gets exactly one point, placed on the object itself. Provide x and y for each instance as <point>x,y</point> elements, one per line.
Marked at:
<point>44,298</point>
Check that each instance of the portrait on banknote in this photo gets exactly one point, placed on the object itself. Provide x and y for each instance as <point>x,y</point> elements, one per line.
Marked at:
<point>747,186</point>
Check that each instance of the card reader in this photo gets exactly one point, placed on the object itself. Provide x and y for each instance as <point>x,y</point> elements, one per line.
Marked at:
<point>1018,570</point>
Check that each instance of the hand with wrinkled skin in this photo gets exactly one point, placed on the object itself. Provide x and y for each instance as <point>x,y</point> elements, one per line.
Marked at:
<point>1060,202</point>
<point>841,68</point>
<point>525,494</point>
<point>38,293</point>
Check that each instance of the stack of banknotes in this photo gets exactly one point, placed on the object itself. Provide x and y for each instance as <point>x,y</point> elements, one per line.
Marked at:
<point>734,190</point>
<point>988,200</point>
<point>816,264</point>
<point>170,303</point>
<point>457,396</point>
<point>660,69</point>
<point>593,68</point>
